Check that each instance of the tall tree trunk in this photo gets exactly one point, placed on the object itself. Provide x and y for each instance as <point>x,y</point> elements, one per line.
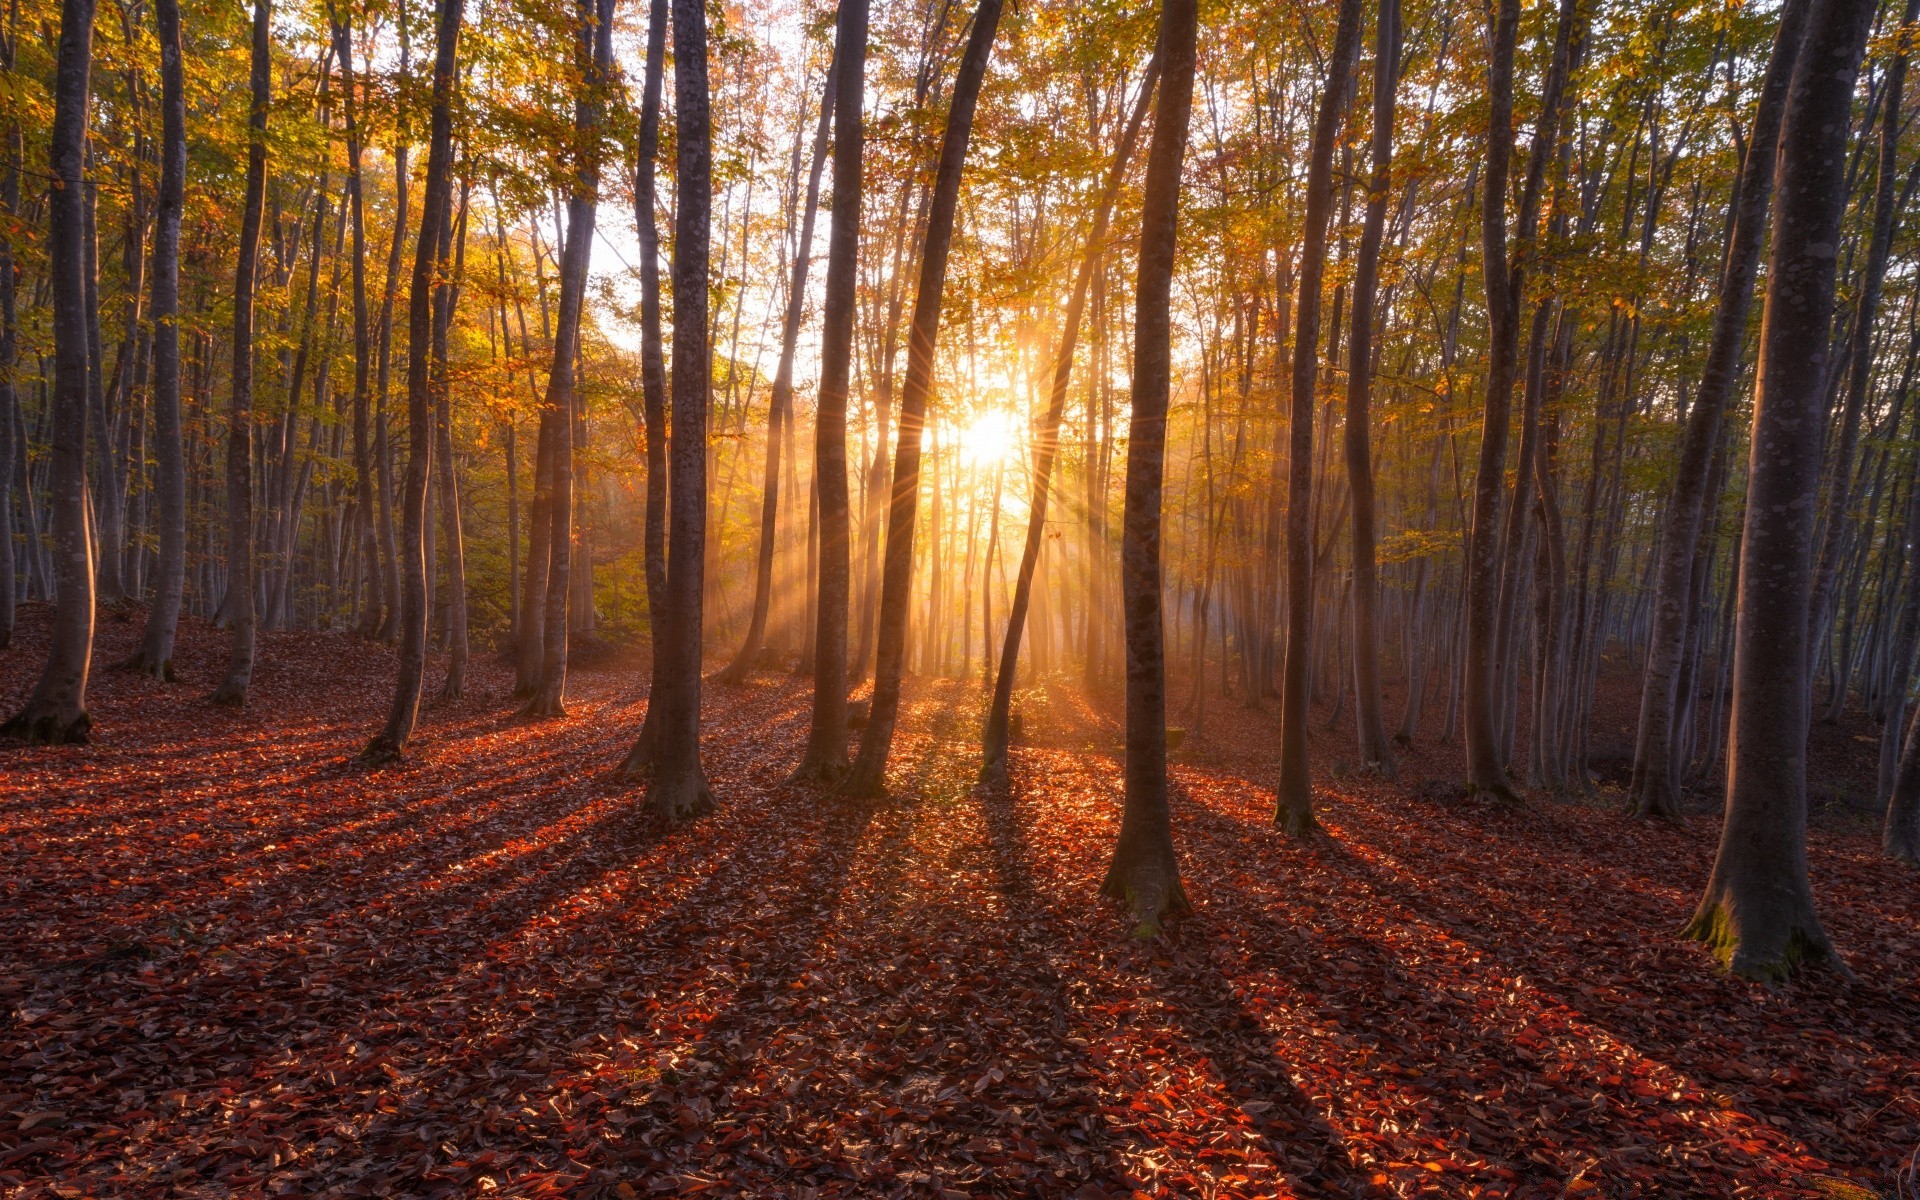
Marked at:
<point>993,750</point>
<point>825,759</point>
<point>1886,208</point>
<point>780,411</point>
<point>436,206</point>
<point>679,781</point>
<point>372,568</point>
<point>1294,812</point>
<point>1371,725</point>
<point>453,538</point>
<point>13,449</point>
<point>155,655</point>
<point>240,565</point>
<point>1144,873</point>
<point>57,710</point>
<point>1655,789</point>
<point>594,53</point>
<point>868,776</point>
<point>653,371</point>
<point>1757,911</point>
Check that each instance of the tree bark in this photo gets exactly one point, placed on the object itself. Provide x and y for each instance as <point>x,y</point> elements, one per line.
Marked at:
<point>56,712</point>
<point>155,655</point>
<point>13,449</point>
<point>993,750</point>
<point>240,565</point>
<point>825,759</point>
<point>1144,873</point>
<point>867,777</point>
<point>679,790</point>
<point>436,204</point>
<point>1376,751</point>
<point>1294,812</point>
<point>780,411</point>
<point>1757,911</point>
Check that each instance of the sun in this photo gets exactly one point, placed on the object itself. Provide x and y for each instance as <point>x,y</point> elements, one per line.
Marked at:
<point>989,438</point>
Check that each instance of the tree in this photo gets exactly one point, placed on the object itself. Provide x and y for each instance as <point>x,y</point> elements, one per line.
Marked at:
<point>868,776</point>
<point>436,205</point>
<point>1375,750</point>
<point>1144,873</point>
<point>240,578</point>
<point>595,55</point>
<point>12,452</point>
<point>825,758</point>
<point>155,656</point>
<point>653,371</point>
<point>780,411</point>
<point>56,712</point>
<point>993,750</point>
<point>1757,911</point>
<point>1655,790</point>
<point>679,782</point>
<point>1294,812</point>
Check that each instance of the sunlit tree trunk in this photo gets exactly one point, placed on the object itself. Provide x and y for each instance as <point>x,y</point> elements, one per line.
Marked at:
<point>1757,912</point>
<point>868,775</point>
<point>240,565</point>
<point>993,750</point>
<point>1294,812</point>
<point>452,536</point>
<point>825,759</point>
<point>435,209</point>
<point>1144,873</point>
<point>57,709</point>
<point>1375,750</point>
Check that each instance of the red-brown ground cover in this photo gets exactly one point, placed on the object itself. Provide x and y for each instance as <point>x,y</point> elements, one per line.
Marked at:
<point>231,964</point>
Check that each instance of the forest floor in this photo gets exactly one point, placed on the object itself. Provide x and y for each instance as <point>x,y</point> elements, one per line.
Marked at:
<point>232,964</point>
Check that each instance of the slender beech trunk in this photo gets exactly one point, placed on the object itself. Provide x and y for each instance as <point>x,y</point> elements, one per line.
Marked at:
<point>780,412</point>
<point>679,788</point>
<point>1144,873</point>
<point>1757,911</point>
<point>240,565</point>
<point>372,568</point>
<point>594,53</point>
<point>155,655</point>
<point>1294,812</point>
<point>56,712</point>
<point>1886,207</point>
<point>1375,750</point>
<point>826,754</point>
<point>13,450</point>
<point>653,371</point>
<point>436,206</point>
<point>993,750</point>
<point>867,778</point>
<point>1655,789</point>
<point>453,548</point>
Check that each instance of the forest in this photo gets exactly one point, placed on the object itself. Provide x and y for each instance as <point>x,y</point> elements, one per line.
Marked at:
<point>1070,599</point>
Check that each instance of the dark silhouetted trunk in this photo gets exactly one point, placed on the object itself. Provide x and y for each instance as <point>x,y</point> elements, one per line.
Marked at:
<point>1655,789</point>
<point>240,588</point>
<point>868,776</point>
<point>436,205</point>
<point>1294,812</point>
<point>993,750</point>
<point>1757,911</point>
<point>155,656</point>
<point>679,782</point>
<point>1375,750</point>
<point>57,710</point>
<point>825,759</point>
<point>1145,873</point>
<point>780,411</point>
